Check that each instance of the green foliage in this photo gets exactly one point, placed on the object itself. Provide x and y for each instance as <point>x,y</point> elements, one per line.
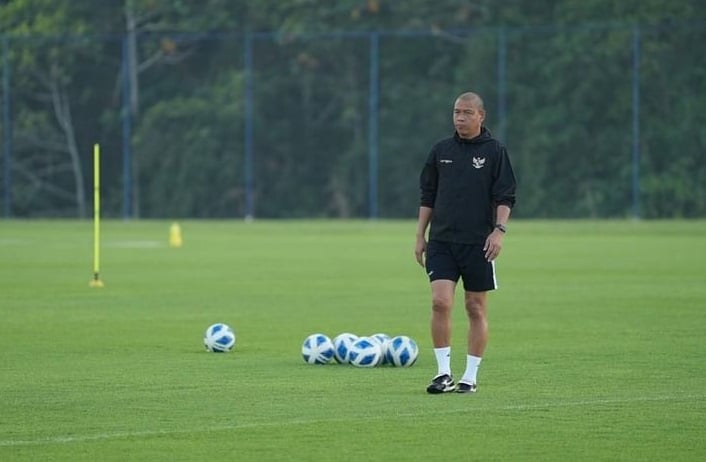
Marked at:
<point>673,141</point>
<point>52,102</point>
<point>189,167</point>
<point>581,364</point>
<point>567,90</point>
<point>567,142</point>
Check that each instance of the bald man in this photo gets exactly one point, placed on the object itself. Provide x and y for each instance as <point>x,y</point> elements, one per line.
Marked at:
<point>467,192</point>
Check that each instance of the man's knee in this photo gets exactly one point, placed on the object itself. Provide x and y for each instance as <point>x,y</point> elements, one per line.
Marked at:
<point>441,303</point>
<point>476,305</point>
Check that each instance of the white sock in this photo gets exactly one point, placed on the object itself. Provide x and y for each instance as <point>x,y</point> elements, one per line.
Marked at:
<point>443,360</point>
<point>472,364</point>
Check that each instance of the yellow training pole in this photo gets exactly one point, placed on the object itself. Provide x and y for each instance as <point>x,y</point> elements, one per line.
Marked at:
<point>96,281</point>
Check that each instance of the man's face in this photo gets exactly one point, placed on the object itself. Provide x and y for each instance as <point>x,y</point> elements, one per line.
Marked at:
<point>467,118</point>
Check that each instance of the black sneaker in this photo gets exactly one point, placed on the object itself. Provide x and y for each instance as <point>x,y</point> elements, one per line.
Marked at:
<point>441,384</point>
<point>464,387</point>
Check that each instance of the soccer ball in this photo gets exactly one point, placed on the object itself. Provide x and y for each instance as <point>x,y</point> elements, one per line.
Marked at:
<point>342,346</point>
<point>365,352</point>
<point>219,338</point>
<point>383,340</point>
<point>317,349</point>
<point>402,351</point>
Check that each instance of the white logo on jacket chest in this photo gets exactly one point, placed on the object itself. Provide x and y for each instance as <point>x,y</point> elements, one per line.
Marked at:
<point>478,162</point>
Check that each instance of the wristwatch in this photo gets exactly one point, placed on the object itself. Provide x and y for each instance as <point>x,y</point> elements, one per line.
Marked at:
<point>501,227</point>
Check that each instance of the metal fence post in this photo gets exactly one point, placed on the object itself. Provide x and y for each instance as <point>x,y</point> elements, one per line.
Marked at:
<point>127,133</point>
<point>502,82</point>
<point>248,138</point>
<point>636,121</point>
<point>373,97</point>
<point>6,129</point>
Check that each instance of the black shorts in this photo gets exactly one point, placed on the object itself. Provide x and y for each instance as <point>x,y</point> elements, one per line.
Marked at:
<point>445,260</point>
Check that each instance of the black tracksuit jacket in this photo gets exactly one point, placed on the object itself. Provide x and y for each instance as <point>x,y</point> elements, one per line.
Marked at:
<point>464,181</point>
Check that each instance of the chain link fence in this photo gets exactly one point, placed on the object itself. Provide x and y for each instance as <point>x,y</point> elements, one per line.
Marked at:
<point>600,120</point>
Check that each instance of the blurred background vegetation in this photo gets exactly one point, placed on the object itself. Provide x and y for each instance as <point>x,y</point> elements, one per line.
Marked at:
<point>304,108</point>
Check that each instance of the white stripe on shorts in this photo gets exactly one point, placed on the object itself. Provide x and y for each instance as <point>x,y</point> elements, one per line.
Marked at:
<point>495,280</point>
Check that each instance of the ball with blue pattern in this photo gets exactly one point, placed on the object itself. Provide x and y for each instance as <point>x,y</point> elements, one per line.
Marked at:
<point>402,351</point>
<point>382,339</point>
<point>317,349</point>
<point>365,352</point>
<point>219,338</point>
<point>342,346</point>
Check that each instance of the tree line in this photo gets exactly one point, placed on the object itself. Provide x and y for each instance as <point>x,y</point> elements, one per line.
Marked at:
<point>227,107</point>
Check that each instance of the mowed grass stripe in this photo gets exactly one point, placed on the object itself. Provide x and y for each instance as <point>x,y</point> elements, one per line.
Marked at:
<point>401,415</point>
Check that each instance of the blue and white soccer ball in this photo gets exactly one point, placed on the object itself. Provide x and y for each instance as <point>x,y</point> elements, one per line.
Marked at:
<point>383,340</point>
<point>342,346</point>
<point>317,349</point>
<point>219,338</point>
<point>365,352</point>
<point>402,351</point>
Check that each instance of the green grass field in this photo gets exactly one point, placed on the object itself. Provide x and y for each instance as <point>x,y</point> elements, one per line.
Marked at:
<point>597,345</point>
